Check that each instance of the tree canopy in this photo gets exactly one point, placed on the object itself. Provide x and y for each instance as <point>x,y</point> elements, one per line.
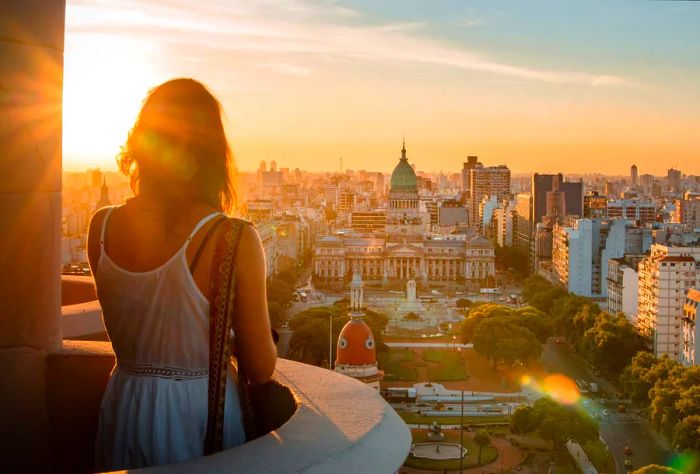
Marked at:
<point>555,422</point>
<point>309,342</point>
<point>501,333</point>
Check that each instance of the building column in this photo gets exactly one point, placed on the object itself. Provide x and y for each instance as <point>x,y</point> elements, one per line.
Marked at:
<point>31,68</point>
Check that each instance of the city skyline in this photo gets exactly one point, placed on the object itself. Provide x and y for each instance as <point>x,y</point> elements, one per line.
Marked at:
<point>305,83</point>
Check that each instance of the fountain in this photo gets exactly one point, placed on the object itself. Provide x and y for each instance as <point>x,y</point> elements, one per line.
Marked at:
<point>435,432</point>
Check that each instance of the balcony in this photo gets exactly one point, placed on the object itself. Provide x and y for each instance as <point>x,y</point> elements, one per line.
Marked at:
<point>318,420</point>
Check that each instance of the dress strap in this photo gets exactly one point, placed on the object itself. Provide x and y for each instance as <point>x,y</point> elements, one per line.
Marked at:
<point>104,225</point>
<point>199,225</point>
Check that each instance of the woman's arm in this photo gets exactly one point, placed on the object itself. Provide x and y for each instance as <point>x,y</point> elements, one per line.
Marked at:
<point>257,352</point>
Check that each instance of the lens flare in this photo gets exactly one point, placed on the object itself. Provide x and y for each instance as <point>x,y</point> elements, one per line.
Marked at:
<point>561,388</point>
<point>526,379</point>
<point>686,462</point>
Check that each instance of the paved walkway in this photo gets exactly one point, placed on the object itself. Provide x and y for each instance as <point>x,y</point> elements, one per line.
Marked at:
<point>580,458</point>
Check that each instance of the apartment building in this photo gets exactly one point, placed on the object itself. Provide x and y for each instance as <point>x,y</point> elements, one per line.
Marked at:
<point>690,329</point>
<point>582,249</point>
<point>665,276</point>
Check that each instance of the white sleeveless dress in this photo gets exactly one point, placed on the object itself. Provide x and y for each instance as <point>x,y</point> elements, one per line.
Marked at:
<point>154,409</point>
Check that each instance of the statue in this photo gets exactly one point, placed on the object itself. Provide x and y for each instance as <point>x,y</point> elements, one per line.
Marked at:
<point>411,290</point>
<point>435,432</point>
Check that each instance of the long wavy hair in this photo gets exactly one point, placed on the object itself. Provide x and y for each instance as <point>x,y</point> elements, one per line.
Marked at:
<point>178,149</point>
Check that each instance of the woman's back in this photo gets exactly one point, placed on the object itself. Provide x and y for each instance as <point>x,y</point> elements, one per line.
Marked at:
<point>156,308</point>
<point>156,316</point>
<point>154,409</point>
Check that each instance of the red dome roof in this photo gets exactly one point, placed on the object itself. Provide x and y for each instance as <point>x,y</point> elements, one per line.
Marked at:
<point>356,344</point>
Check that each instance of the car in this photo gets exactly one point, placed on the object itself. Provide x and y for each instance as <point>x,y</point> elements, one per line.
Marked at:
<point>628,464</point>
<point>628,451</point>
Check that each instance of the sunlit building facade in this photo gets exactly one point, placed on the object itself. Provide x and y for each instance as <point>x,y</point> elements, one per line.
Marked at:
<point>406,248</point>
<point>665,277</point>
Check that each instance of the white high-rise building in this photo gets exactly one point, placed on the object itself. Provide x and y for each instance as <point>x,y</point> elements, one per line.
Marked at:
<point>505,218</point>
<point>665,277</point>
<point>582,249</point>
<point>690,328</point>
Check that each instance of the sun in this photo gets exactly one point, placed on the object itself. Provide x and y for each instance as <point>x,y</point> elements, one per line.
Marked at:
<point>105,81</point>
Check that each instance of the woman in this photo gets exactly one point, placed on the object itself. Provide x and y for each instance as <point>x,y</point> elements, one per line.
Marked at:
<point>152,260</point>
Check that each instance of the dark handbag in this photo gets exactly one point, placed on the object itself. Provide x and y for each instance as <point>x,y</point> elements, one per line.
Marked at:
<point>221,355</point>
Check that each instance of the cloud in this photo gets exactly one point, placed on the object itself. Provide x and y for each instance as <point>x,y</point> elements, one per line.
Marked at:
<point>280,31</point>
<point>289,69</point>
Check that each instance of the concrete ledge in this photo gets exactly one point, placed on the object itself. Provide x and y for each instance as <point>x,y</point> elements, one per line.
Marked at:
<point>322,421</point>
<point>77,289</point>
<point>82,319</point>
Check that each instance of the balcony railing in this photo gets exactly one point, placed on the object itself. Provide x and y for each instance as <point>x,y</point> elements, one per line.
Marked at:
<point>318,420</point>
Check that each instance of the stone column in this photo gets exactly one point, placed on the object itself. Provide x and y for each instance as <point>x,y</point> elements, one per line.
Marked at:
<point>31,85</point>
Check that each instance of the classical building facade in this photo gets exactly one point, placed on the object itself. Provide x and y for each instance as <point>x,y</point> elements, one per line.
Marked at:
<point>406,249</point>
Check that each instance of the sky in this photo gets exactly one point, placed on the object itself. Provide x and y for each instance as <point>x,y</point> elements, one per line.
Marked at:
<point>541,86</point>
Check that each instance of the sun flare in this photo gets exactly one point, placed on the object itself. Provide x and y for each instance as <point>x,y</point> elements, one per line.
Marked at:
<point>104,84</point>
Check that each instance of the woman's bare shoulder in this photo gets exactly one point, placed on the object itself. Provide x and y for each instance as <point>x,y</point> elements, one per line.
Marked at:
<point>250,249</point>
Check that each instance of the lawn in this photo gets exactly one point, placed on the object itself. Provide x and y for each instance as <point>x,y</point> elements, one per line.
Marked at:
<point>601,458</point>
<point>488,453</point>
<point>451,368</point>
<point>392,361</point>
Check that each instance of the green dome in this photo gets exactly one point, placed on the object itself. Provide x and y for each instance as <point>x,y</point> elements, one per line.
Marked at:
<point>403,177</point>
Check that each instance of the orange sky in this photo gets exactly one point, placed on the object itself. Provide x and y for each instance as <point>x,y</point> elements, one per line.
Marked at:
<point>306,82</point>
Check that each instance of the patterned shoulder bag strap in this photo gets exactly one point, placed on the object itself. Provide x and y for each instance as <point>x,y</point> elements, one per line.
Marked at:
<point>222,303</point>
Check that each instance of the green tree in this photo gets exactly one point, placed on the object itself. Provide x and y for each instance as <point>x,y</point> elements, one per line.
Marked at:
<point>671,398</point>
<point>563,312</point>
<point>642,373</point>
<point>656,469</point>
<point>535,321</point>
<point>274,309</point>
<point>463,303</point>
<point>522,421</point>
<point>478,313</point>
<point>510,257</point>
<point>310,332</point>
<point>561,423</point>
<point>686,434</point>
<point>482,440</point>
<point>504,340</point>
<point>280,292</point>
<point>611,343</point>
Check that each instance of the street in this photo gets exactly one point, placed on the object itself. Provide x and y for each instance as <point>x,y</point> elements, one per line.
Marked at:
<point>617,429</point>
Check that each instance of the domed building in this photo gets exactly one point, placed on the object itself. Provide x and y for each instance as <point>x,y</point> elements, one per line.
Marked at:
<point>406,218</point>
<point>406,250</point>
<point>356,354</point>
<point>403,178</point>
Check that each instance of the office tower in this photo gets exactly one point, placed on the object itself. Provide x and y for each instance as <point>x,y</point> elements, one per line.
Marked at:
<point>634,176</point>
<point>472,162</point>
<point>523,219</point>
<point>487,181</point>
<point>543,183</point>
<point>674,181</point>
<point>610,189</point>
